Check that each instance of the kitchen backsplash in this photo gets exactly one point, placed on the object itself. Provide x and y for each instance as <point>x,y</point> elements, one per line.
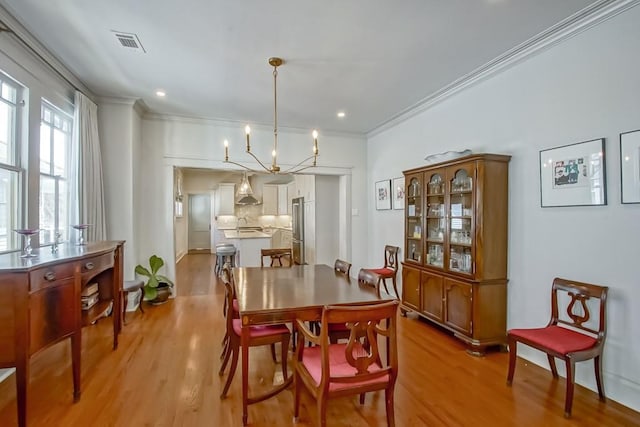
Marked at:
<point>251,216</point>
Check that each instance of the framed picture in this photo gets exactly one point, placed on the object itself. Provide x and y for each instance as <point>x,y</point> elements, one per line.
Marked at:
<point>398,193</point>
<point>573,175</point>
<point>383,195</point>
<point>630,166</point>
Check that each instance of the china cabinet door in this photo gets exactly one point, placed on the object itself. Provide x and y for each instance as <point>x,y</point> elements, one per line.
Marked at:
<point>411,287</point>
<point>458,305</point>
<point>435,217</point>
<point>414,218</point>
<point>432,296</point>
<point>461,226</point>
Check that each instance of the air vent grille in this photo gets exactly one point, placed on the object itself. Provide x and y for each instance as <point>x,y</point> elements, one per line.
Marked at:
<point>129,40</point>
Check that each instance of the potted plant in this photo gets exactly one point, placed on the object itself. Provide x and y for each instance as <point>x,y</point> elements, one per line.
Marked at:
<point>157,289</point>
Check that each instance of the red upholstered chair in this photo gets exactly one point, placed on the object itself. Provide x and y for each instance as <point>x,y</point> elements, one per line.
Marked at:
<point>390,269</point>
<point>338,331</point>
<point>334,370</point>
<point>259,335</point>
<point>570,337</point>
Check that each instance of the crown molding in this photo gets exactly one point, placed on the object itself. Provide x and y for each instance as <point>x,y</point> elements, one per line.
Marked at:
<point>40,52</point>
<point>588,17</point>
<point>159,117</point>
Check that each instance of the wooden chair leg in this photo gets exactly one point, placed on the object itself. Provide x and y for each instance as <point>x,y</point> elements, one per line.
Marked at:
<point>513,349</point>
<point>552,365</point>
<point>285,351</point>
<point>225,360</point>
<point>598,368</point>
<point>232,371</point>
<point>273,353</point>
<point>296,395</point>
<point>395,286</point>
<point>362,398</point>
<point>568,402</point>
<point>384,282</point>
<point>322,409</point>
<point>391,419</point>
<point>141,300</point>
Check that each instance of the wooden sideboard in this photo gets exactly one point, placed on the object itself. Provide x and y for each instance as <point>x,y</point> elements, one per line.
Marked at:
<point>40,304</point>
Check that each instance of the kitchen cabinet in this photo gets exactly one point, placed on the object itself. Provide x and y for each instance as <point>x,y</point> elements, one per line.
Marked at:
<point>455,267</point>
<point>225,197</point>
<point>306,187</point>
<point>285,238</point>
<point>283,199</point>
<point>269,199</point>
<point>276,239</point>
<point>291,194</point>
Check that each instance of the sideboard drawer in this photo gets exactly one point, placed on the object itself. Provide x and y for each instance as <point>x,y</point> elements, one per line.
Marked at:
<point>47,276</point>
<point>96,264</point>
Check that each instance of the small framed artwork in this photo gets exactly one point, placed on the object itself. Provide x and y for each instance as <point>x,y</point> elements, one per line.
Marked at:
<point>398,193</point>
<point>630,166</point>
<point>573,175</point>
<point>383,195</point>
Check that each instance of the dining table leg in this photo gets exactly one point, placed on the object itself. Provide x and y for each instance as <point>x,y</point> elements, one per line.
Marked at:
<point>244,345</point>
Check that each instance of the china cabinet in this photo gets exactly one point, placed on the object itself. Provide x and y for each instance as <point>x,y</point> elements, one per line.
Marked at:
<point>455,268</point>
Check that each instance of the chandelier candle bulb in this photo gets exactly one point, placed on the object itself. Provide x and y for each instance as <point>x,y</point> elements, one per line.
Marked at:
<point>226,150</point>
<point>247,130</point>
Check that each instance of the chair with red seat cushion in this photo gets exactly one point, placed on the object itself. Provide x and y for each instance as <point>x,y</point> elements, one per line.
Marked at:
<point>571,338</point>
<point>353,368</point>
<point>390,268</point>
<point>259,335</point>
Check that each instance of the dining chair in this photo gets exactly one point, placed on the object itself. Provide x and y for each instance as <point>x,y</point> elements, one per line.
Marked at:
<point>258,336</point>
<point>343,267</point>
<point>333,370</point>
<point>390,268</point>
<point>278,255</point>
<point>338,331</point>
<point>572,336</point>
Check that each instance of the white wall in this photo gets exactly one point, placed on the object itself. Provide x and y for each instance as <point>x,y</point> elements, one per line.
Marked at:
<point>327,221</point>
<point>582,89</point>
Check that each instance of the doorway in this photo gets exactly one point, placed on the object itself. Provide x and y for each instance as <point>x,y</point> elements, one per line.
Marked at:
<point>199,222</point>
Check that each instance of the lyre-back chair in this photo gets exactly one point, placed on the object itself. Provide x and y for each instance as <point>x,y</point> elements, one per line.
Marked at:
<point>354,368</point>
<point>390,268</point>
<point>568,336</point>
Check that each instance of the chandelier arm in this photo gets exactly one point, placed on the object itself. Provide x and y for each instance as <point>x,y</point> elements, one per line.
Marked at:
<point>261,164</point>
<point>245,167</point>
<point>291,169</point>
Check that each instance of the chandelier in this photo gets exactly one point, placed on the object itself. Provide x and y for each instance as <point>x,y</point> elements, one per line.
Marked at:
<point>274,168</point>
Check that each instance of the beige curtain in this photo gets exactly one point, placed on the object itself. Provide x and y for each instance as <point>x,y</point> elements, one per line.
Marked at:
<point>90,193</point>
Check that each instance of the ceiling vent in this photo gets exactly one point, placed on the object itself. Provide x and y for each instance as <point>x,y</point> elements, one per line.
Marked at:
<point>129,40</point>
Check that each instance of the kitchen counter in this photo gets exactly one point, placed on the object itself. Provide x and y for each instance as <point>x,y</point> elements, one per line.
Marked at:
<point>246,234</point>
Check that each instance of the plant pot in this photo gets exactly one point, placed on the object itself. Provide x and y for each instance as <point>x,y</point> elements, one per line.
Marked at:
<point>164,292</point>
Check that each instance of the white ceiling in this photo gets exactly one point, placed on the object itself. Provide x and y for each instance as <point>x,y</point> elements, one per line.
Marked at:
<point>369,58</point>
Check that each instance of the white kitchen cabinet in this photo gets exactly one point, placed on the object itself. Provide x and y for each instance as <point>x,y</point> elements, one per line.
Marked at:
<point>225,199</point>
<point>283,200</point>
<point>291,194</point>
<point>269,199</point>
<point>276,239</point>
<point>306,187</point>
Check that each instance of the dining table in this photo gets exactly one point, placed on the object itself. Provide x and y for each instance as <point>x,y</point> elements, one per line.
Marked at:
<point>272,295</point>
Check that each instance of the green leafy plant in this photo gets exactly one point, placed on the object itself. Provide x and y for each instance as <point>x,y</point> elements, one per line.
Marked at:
<point>153,278</point>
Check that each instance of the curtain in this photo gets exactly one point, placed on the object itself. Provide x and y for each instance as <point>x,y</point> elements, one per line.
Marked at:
<point>89,192</point>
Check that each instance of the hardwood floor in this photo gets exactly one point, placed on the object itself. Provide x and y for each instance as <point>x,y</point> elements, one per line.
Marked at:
<point>165,373</point>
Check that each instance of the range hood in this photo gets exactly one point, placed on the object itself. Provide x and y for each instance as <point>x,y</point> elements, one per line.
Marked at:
<point>244,196</point>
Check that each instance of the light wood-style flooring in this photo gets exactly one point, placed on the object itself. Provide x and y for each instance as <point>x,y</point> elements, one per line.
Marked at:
<point>165,373</point>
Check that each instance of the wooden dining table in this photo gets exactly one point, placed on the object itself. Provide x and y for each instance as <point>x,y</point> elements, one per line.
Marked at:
<point>268,295</point>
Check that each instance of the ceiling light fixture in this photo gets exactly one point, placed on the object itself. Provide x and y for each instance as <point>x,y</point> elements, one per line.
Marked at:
<point>274,168</point>
<point>341,114</point>
<point>161,93</point>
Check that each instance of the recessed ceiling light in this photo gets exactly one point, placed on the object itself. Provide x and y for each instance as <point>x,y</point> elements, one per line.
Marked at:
<point>161,93</point>
<point>341,114</point>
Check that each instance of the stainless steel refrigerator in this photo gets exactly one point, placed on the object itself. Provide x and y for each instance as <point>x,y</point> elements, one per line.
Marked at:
<point>297,223</point>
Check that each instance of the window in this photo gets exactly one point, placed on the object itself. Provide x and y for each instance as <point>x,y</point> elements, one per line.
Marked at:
<point>10,173</point>
<point>55,145</point>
